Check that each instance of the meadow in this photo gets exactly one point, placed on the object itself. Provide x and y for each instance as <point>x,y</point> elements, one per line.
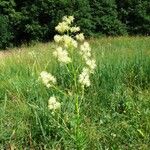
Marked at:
<point>115,112</point>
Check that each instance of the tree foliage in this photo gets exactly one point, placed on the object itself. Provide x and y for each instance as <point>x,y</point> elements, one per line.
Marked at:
<point>26,21</point>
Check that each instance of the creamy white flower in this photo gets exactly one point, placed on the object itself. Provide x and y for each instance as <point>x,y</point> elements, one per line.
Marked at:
<point>47,79</point>
<point>75,29</point>
<point>91,64</point>
<point>68,19</point>
<point>58,38</point>
<point>85,47</point>
<point>71,18</point>
<point>69,41</point>
<point>80,37</point>
<point>62,27</point>
<point>86,55</point>
<point>84,77</point>
<point>85,51</point>
<point>53,104</point>
<point>62,55</point>
<point>74,43</point>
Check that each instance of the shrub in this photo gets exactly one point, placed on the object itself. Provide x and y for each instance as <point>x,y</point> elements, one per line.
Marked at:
<point>105,18</point>
<point>5,32</point>
<point>136,15</point>
<point>35,21</point>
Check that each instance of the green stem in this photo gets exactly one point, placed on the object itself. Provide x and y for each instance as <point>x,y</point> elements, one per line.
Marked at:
<point>77,106</point>
<point>60,91</point>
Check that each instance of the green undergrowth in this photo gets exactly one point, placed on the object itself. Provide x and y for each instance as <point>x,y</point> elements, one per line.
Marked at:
<point>116,109</point>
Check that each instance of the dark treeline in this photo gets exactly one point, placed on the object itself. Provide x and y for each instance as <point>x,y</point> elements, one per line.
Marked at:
<point>34,20</point>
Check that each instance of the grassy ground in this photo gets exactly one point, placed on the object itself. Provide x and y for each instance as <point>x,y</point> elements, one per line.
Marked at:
<point>116,110</point>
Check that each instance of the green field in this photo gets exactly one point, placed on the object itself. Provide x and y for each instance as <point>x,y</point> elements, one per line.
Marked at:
<point>115,112</point>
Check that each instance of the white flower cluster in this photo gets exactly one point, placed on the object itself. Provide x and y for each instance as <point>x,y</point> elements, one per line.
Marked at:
<point>68,42</point>
<point>85,50</point>
<point>74,29</point>
<point>64,26</point>
<point>84,77</point>
<point>53,104</point>
<point>47,79</point>
<point>58,38</point>
<point>80,37</point>
<point>65,40</point>
<point>68,19</point>
<point>62,55</point>
<point>66,45</point>
<point>91,63</point>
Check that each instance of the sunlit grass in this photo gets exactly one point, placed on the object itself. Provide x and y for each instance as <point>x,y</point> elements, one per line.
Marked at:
<point>116,110</point>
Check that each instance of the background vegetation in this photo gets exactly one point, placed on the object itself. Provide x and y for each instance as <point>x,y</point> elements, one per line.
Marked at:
<point>116,110</point>
<point>26,21</point>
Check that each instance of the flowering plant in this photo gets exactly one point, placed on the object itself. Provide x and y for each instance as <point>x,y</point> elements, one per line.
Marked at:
<point>71,45</point>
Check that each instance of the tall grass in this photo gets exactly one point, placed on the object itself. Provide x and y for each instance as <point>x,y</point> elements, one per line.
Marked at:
<point>116,108</point>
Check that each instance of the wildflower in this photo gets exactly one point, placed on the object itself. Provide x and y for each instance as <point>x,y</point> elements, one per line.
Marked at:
<point>85,47</point>
<point>47,79</point>
<point>62,27</point>
<point>74,43</point>
<point>91,63</point>
<point>75,29</point>
<point>84,78</point>
<point>68,19</point>
<point>86,55</point>
<point>85,51</point>
<point>58,38</point>
<point>69,41</point>
<point>71,18</point>
<point>80,37</point>
<point>53,104</point>
<point>62,55</point>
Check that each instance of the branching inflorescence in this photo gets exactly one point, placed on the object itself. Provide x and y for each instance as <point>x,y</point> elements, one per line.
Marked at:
<point>70,41</point>
<point>70,38</point>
